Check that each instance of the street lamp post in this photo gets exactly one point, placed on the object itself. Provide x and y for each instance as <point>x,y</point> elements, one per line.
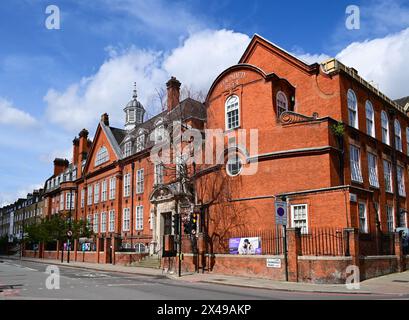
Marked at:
<point>69,229</point>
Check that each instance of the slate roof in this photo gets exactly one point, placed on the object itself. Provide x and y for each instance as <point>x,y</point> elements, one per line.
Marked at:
<point>403,101</point>
<point>186,109</point>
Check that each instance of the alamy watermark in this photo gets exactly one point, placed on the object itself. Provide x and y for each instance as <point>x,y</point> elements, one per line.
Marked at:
<point>53,280</point>
<point>53,20</point>
<point>353,21</point>
<point>353,278</point>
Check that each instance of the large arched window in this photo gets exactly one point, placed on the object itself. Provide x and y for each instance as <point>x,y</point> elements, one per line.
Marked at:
<point>385,127</point>
<point>407,141</point>
<point>282,103</point>
<point>398,136</point>
<point>370,116</point>
<point>232,113</point>
<point>352,109</point>
<point>102,156</point>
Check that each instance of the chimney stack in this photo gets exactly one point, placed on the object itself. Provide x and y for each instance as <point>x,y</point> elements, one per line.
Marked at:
<point>60,165</point>
<point>83,150</point>
<point>105,119</point>
<point>173,86</point>
<point>75,150</point>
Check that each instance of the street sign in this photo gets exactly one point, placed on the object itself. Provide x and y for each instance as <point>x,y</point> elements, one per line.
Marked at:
<point>274,263</point>
<point>281,212</point>
<point>69,233</point>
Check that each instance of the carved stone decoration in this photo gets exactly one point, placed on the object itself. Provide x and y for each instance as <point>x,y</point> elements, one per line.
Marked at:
<point>289,117</point>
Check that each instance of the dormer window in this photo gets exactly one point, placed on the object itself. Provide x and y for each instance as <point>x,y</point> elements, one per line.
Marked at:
<point>232,109</point>
<point>140,142</point>
<point>282,103</point>
<point>128,149</point>
<point>102,156</point>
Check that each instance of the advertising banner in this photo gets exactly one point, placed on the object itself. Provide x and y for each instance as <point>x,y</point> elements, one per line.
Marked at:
<point>245,246</point>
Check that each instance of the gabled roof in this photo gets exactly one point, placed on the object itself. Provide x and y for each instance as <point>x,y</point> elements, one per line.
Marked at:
<point>259,40</point>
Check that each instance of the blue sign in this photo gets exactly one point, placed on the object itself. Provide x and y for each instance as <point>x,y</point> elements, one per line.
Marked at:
<point>281,212</point>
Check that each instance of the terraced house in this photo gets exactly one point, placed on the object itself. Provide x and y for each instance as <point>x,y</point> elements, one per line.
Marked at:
<point>329,145</point>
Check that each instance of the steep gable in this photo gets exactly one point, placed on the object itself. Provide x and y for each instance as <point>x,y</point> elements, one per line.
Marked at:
<point>106,141</point>
<point>266,55</point>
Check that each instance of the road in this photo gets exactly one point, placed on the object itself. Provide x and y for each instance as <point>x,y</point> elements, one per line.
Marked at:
<point>27,280</point>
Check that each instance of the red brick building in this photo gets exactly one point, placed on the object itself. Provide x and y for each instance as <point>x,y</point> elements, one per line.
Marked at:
<point>331,175</point>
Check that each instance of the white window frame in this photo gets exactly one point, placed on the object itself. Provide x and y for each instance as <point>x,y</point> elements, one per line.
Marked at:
<point>401,180</point>
<point>62,201</point>
<point>126,220</point>
<point>352,109</point>
<point>69,203</point>
<point>127,185</point>
<point>363,228</point>
<point>140,181</point>
<point>158,174</point>
<point>385,127</point>
<point>355,162</point>
<point>387,173</point>
<point>82,198</point>
<point>390,219</point>
<point>293,220</point>
<point>96,192</point>
<point>407,141</point>
<point>111,220</point>
<point>95,225</point>
<point>373,170</point>
<point>282,103</point>
<point>89,194</point>
<point>398,135</point>
<point>104,191</point>
<point>139,218</point>
<point>232,108</point>
<point>112,188</point>
<point>127,149</point>
<point>102,156</point>
<point>103,222</point>
<point>370,118</point>
<point>140,142</point>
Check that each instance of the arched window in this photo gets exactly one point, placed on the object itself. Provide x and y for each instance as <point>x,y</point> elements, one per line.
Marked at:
<point>282,103</point>
<point>407,141</point>
<point>370,127</point>
<point>234,165</point>
<point>385,127</point>
<point>352,109</point>
<point>102,156</point>
<point>232,113</point>
<point>398,136</point>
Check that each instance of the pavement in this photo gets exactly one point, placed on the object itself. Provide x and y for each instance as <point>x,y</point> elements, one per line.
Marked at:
<point>390,285</point>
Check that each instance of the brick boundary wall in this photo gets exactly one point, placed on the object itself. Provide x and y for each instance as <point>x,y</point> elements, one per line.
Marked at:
<point>301,268</point>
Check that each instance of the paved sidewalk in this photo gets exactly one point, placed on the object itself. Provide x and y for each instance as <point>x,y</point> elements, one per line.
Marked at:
<point>393,284</point>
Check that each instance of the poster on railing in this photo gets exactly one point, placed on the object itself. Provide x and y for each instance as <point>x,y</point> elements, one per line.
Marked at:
<point>245,246</point>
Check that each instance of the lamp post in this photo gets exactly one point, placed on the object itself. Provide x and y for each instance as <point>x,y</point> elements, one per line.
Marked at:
<point>69,233</point>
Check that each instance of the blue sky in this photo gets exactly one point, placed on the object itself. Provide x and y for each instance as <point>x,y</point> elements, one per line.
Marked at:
<point>54,82</point>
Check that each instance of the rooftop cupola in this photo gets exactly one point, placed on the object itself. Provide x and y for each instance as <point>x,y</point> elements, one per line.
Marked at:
<point>134,112</point>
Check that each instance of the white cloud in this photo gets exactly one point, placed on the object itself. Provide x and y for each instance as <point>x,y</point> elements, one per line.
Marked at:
<point>195,63</point>
<point>382,60</point>
<point>7,198</point>
<point>204,55</point>
<point>11,115</point>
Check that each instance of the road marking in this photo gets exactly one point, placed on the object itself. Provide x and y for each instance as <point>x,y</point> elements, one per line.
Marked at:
<point>127,284</point>
<point>26,268</point>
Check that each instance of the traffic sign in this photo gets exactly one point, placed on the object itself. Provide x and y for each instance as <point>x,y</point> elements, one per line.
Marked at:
<point>69,233</point>
<point>281,212</point>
